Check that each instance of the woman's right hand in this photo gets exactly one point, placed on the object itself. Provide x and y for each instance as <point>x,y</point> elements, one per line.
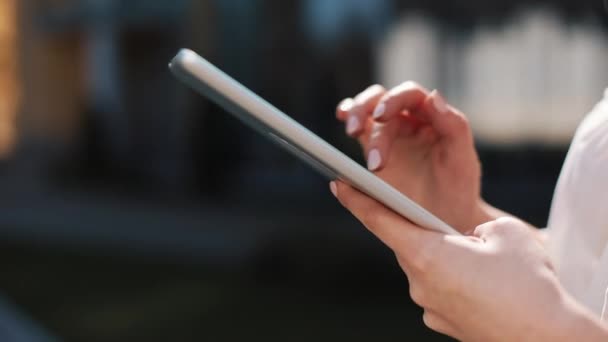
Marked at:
<point>423,147</point>
<point>496,285</point>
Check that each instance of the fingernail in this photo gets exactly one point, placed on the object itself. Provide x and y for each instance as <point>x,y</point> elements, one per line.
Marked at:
<point>347,105</point>
<point>334,188</point>
<point>438,102</point>
<point>374,160</point>
<point>352,126</point>
<point>379,111</point>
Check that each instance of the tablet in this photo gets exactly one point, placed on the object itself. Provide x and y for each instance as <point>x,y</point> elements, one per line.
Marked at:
<point>211,82</point>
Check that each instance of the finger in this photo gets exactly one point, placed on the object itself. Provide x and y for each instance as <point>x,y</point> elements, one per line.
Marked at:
<point>408,96</point>
<point>484,231</point>
<point>435,322</point>
<point>393,230</point>
<point>344,107</point>
<point>417,293</point>
<point>380,142</point>
<point>447,122</point>
<point>384,134</point>
<point>404,266</point>
<point>361,110</point>
<point>499,229</point>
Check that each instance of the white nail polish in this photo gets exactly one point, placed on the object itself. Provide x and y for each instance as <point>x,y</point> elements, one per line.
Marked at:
<point>334,188</point>
<point>374,160</point>
<point>352,125</point>
<point>379,111</point>
<point>439,103</point>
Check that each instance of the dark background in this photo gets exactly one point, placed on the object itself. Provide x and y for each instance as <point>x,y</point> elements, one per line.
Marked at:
<point>132,209</point>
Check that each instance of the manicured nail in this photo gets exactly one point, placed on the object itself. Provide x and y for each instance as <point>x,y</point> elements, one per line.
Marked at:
<point>347,105</point>
<point>352,126</point>
<point>379,111</point>
<point>374,160</point>
<point>334,188</point>
<point>438,102</point>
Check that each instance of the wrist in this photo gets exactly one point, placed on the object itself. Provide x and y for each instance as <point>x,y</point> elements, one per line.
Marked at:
<point>573,322</point>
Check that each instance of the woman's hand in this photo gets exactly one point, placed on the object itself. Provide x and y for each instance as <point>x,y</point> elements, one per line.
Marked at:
<point>497,285</point>
<point>421,146</point>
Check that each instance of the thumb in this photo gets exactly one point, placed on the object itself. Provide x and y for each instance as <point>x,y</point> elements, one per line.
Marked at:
<point>499,229</point>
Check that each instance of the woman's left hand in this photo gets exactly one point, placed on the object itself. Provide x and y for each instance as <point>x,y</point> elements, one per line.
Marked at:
<point>497,285</point>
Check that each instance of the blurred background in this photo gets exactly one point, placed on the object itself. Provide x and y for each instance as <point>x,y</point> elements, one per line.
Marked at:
<point>132,209</point>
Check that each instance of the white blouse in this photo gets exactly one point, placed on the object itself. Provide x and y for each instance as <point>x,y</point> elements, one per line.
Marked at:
<point>578,224</point>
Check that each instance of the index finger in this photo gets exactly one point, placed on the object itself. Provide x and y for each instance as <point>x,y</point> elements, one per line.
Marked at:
<point>393,230</point>
<point>358,117</point>
<point>409,96</point>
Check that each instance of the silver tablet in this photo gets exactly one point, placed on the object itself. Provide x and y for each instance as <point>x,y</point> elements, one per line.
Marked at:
<point>211,82</point>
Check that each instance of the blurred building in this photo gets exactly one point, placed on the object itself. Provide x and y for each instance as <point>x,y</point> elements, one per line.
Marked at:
<point>101,112</point>
<point>529,80</point>
<point>94,102</point>
<point>9,86</point>
<point>161,205</point>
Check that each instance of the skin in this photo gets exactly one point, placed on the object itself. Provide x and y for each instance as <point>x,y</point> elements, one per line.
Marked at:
<point>426,153</point>
<point>495,282</point>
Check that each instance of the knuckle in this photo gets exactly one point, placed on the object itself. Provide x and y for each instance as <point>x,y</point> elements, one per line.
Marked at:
<point>376,88</point>
<point>368,94</point>
<point>420,263</point>
<point>411,88</point>
<point>408,89</point>
<point>430,320</point>
<point>435,323</point>
<point>424,261</point>
<point>512,228</point>
<point>484,229</point>
<point>417,295</point>
<point>410,85</point>
<point>506,221</point>
<point>505,225</point>
<point>500,227</point>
